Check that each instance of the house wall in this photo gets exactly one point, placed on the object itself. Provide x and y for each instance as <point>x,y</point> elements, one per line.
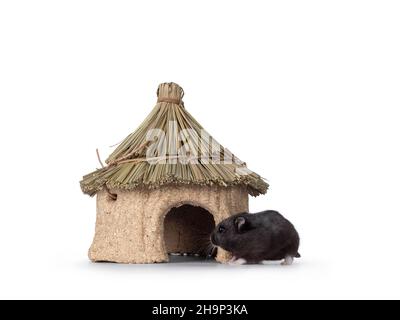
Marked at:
<point>130,229</point>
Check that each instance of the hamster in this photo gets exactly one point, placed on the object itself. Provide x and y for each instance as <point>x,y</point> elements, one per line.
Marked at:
<point>254,238</point>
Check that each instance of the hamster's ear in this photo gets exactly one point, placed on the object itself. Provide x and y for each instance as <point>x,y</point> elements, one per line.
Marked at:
<point>240,223</point>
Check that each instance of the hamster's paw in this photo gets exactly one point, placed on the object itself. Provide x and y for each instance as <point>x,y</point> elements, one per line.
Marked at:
<point>237,262</point>
<point>287,261</point>
<point>233,259</point>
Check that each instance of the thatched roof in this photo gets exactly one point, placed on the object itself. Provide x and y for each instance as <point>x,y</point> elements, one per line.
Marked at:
<point>179,152</point>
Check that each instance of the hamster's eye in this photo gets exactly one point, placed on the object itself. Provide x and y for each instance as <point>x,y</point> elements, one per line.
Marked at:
<point>221,229</point>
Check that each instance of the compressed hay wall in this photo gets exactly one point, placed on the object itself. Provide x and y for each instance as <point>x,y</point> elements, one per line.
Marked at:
<point>131,229</point>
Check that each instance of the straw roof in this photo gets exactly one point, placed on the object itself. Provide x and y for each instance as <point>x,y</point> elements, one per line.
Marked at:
<point>171,147</point>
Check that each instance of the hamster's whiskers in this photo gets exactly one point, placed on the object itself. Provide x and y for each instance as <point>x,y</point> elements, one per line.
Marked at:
<point>205,247</point>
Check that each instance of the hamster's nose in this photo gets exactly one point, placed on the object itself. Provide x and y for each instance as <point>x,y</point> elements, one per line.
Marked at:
<point>213,239</point>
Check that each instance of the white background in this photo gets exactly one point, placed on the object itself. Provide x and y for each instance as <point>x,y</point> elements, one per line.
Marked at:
<point>306,92</point>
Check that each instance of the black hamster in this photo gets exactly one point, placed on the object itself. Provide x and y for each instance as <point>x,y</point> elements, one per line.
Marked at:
<point>253,238</point>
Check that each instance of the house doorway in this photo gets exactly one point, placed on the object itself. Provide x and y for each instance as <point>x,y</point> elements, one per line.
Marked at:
<point>187,231</point>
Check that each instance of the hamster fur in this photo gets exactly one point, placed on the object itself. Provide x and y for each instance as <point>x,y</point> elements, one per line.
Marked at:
<point>258,237</point>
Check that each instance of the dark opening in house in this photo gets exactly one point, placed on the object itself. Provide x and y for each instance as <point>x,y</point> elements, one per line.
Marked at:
<point>187,231</point>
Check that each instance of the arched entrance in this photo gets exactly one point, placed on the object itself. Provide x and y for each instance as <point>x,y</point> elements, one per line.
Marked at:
<point>187,230</point>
